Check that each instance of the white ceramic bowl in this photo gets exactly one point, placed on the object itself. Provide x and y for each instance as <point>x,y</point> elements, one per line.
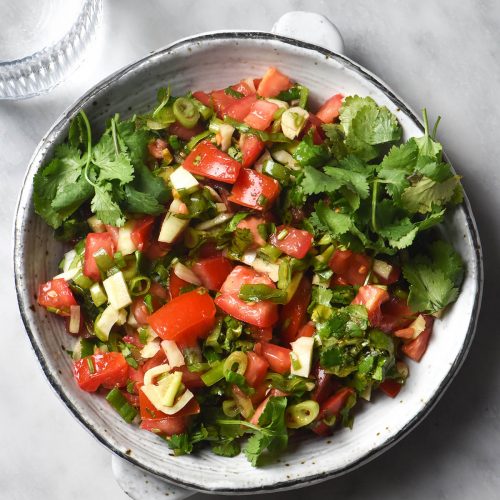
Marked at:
<point>214,61</point>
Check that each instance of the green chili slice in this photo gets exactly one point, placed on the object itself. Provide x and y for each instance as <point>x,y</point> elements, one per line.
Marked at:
<point>186,112</point>
<point>257,293</point>
<point>139,285</point>
<point>301,414</point>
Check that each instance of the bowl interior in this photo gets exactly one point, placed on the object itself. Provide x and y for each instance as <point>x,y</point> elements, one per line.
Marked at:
<point>215,61</point>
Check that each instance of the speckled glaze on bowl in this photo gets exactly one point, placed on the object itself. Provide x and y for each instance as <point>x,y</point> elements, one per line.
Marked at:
<point>214,61</point>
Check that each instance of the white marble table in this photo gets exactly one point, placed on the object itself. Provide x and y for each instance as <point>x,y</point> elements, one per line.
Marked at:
<point>444,55</point>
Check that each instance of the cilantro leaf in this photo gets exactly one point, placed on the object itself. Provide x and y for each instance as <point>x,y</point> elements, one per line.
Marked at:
<point>335,222</point>
<point>434,278</point>
<point>105,208</point>
<point>111,165</point>
<point>315,182</point>
<point>308,153</point>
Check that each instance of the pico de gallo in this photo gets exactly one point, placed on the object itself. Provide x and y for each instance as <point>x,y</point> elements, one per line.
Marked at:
<point>246,263</point>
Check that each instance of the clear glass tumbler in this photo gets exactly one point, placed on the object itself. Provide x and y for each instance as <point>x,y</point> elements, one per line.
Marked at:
<point>41,41</point>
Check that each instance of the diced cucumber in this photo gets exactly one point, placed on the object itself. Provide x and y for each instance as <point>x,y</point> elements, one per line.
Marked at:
<point>382,268</point>
<point>98,295</point>
<point>174,355</point>
<point>117,291</point>
<point>302,351</point>
<point>105,321</point>
<point>293,121</point>
<point>182,180</point>
<point>125,244</point>
<point>171,228</point>
<point>97,225</point>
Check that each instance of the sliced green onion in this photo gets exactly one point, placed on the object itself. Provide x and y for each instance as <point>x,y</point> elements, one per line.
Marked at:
<point>282,234</point>
<point>260,292</point>
<point>132,267</point>
<point>186,112</point>
<point>205,112</point>
<point>98,294</point>
<point>213,375</point>
<point>303,95</point>
<point>139,285</point>
<point>263,136</point>
<point>276,170</point>
<point>233,93</point>
<point>261,200</point>
<point>270,252</point>
<point>197,138</point>
<point>90,363</point>
<point>301,414</point>
<point>214,125</point>
<point>237,358</point>
<point>230,408</point>
<point>82,281</point>
<point>119,260</point>
<point>117,400</point>
<point>148,300</point>
<point>103,260</point>
<point>174,142</point>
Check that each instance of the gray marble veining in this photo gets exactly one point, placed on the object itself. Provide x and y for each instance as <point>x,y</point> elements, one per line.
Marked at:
<point>443,55</point>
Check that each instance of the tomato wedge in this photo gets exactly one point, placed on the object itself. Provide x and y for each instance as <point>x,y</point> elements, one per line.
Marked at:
<point>395,315</point>
<point>329,111</point>
<point>294,314</point>
<point>241,108</point>
<point>296,242</point>
<point>93,243</point>
<point>416,348</point>
<point>262,314</point>
<point>212,271</point>
<point>109,369</point>
<point>141,234</point>
<point>203,97</point>
<point>256,369</point>
<point>352,267</point>
<point>331,408</point>
<point>251,147</point>
<point>209,161</point>
<point>372,297</point>
<point>252,223</point>
<point>254,190</point>
<point>273,82</point>
<point>390,387</point>
<point>188,316</point>
<point>261,114</point>
<point>185,133</point>
<point>278,357</point>
<point>56,295</point>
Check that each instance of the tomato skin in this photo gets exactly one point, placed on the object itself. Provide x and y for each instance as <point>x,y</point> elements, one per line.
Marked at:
<point>188,316</point>
<point>314,123</point>
<point>175,285</point>
<point>296,243</point>
<point>262,314</point>
<point>156,148</point>
<point>209,161</point>
<point>251,147</point>
<point>372,297</point>
<point>141,234</point>
<point>307,330</point>
<point>93,243</point>
<point>203,97</point>
<point>222,102</point>
<point>351,266</point>
<point>260,394</point>
<point>417,347</point>
<point>395,315</point>
<point>278,357</point>
<point>110,369</point>
<point>273,82</point>
<point>212,271</point>
<point>252,224</point>
<point>390,387</point>
<point>241,108</point>
<point>244,88</point>
<point>256,369</point>
<point>261,114</point>
<point>185,133</point>
<point>325,385</point>
<point>157,250</point>
<point>294,314</point>
<point>331,407</point>
<point>251,186</point>
<point>329,111</point>
<point>56,294</point>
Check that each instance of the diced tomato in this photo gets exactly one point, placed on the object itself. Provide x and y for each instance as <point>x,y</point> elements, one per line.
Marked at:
<point>273,82</point>
<point>314,123</point>
<point>261,334</point>
<point>93,243</point>
<point>241,107</point>
<point>252,223</point>
<point>390,387</point>
<point>395,315</point>
<point>256,369</point>
<point>222,102</point>
<point>262,314</point>
<point>260,394</point>
<point>254,190</point>
<point>209,161</point>
<point>372,297</point>
<point>329,111</point>
<point>352,267</point>
<point>213,271</point>
<point>168,425</point>
<point>331,408</point>
<point>114,232</point>
<point>160,358</point>
<point>261,114</point>
<point>136,376</point>
<point>258,412</point>
<point>141,234</point>
<point>416,348</point>
<point>185,133</point>
<point>156,148</point>
<point>244,88</point>
<point>57,295</point>
<point>307,330</point>
<point>296,243</point>
<point>278,357</point>
<point>203,97</point>
<point>251,147</point>
<point>208,249</point>
<point>109,369</point>
<point>325,385</point>
<point>294,314</point>
<point>140,310</point>
<point>175,285</point>
<point>188,316</point>
<point>157,250</point>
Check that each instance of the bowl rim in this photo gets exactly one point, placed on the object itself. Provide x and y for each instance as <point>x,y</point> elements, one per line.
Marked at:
<point>20,221</point>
